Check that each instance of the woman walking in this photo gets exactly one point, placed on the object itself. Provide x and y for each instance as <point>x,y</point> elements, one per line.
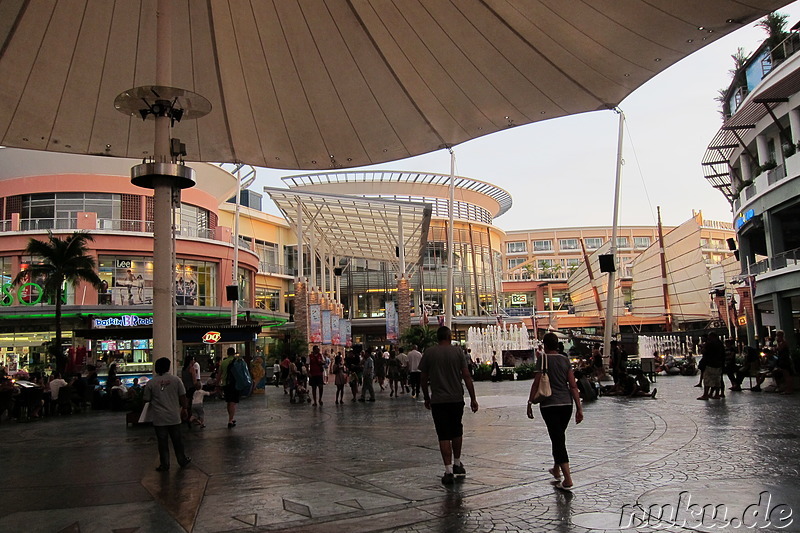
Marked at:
<point>556,409</point>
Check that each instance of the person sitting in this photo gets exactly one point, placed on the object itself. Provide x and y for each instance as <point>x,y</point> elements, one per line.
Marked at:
<point>641,385</point>
<point>588,392</point>
<point>56,384</point>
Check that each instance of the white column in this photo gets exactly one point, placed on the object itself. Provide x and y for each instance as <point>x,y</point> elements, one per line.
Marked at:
<point>299,240</point>
<point>235,276</point>
<point>313,259</point>
<point>763,150</point>
<point>744,167</point>
<point>449,300</point>
<point>163,269</point>
<point>794,124</point>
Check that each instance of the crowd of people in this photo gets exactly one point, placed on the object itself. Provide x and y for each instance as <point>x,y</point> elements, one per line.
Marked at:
<point>304,378</point>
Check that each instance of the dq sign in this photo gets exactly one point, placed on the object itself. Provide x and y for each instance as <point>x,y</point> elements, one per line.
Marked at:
<point>212,337</point>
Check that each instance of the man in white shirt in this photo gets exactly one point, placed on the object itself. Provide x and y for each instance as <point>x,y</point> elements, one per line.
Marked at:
<point>414,372</point>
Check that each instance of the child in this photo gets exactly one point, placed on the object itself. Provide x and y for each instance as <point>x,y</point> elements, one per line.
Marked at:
<point>198,413</point>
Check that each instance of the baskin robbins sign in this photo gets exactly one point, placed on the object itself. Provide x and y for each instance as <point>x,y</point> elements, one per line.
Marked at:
<point>124,321</point>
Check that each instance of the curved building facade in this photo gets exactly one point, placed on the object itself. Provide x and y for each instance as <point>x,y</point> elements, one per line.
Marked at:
<point>754,161</point>
<point>60,193</point>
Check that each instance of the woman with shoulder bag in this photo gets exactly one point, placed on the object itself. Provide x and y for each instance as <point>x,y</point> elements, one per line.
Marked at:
<point>556,408</point>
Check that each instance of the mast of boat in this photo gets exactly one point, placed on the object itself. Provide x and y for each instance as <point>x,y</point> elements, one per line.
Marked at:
<point>662,252</point>
<point>591,279</point>
<point>608,327</point>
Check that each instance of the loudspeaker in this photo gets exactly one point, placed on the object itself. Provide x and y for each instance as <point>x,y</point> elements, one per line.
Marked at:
<point>736,254</point>
<point>232,292</point>
<point>338,271</point>
<point>731,244</point>
<point>607,263</point>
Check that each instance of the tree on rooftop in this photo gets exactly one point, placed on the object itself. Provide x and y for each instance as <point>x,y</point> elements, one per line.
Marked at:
<point>59,261</point>
<point>775,26</point>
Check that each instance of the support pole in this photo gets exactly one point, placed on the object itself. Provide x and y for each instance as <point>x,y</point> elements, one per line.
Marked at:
<point>449,296</point>
<point>163,269</point>
<point>235,275</point>
<point>299,240</point>
<point>608,328</point>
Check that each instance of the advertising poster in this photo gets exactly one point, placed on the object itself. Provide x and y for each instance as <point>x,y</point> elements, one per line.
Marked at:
<point>336,334</point>
<point>346,333</point>
<point>326,326</point>
<point>391,322</point>
<point>315,324</point>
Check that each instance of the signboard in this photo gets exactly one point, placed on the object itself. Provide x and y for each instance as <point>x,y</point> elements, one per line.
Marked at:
<point>212,337</point>
<point>519,299</point>
<point>391,321</point>
<point>315,324</point>
<point>326,326</point>
<point>124,263</point>
<point>27,294</point>
<point>743,320</point>
<point>124,321</point>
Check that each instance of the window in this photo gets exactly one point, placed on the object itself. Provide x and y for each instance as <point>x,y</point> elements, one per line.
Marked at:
<point>268,299</point>
<point>517,247</point>
<point>568,244</point>
<point>56,210</point>
<point>593,243</point>
<point>641,242</point>
<point>622,242</point>
<point>542,246</point>
<point>192,221</point>
<point>512,263</point>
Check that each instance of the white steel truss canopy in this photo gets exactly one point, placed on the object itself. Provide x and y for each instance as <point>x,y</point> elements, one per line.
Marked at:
<point>350,226</point>
<point>326,84</point>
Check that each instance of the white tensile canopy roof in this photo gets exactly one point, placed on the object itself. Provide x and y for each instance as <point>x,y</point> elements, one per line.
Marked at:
<point>321,84</point>
<point>351,226</point>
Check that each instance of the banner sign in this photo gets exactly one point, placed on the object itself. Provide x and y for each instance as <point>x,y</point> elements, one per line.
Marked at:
<point>391,321</point>
<point>315,324</point>
<point>336,334</point>
<point>124,321</point>
<point>326,326</point>
<point>346,332</point>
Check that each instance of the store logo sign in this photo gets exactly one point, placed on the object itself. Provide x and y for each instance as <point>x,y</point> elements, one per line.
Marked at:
<point>212,337</point>
<point>124,321</point>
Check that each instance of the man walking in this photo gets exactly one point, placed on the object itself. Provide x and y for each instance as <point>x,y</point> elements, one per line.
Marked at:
<point>444,366</point>
<point>368,366</point>
<point>414,357</point>
<point>228,385</point>
<point>167,397</point>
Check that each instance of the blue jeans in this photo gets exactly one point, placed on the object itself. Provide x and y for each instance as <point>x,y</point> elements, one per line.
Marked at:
<point>173,433</point>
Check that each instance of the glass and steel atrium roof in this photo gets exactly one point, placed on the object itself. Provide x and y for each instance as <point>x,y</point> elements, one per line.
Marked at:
<point>416,181</point>
<point>351,226</point>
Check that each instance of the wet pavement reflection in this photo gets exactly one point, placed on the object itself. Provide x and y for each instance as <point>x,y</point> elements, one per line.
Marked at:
<point>638,465</point>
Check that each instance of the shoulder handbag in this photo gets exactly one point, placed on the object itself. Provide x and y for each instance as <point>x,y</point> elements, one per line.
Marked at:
<point>543,390</point>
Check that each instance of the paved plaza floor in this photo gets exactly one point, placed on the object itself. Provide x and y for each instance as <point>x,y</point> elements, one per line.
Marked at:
<point>362,467</point>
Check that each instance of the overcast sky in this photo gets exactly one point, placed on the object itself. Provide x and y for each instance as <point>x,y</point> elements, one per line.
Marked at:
<point>560,172</point>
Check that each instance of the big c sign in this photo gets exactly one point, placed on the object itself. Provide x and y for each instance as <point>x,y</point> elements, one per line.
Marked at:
<point>212,337</point>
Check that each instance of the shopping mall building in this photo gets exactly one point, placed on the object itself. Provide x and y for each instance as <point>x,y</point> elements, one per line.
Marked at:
<point>61,193</point>
<point>753,160</point>
<point>369,238</point>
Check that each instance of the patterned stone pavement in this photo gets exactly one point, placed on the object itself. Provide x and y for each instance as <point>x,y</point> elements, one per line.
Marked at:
<point>375,467</point>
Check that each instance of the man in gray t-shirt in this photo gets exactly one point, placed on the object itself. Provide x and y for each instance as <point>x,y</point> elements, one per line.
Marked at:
<point>167,397</point>
<point>444,366</point>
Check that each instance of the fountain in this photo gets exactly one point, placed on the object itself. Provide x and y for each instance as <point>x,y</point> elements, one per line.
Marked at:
<point>496,338</point>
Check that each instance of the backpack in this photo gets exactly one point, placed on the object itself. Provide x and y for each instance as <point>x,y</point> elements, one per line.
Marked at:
<point>239,375</point>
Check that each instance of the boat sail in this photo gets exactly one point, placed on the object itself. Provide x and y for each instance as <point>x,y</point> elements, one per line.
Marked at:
<point>588,287</point>
<point>688,278</point>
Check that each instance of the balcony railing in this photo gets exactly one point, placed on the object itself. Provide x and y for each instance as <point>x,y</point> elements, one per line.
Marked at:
<point>779,261</point>
<point>37,224</point>
<point>518,311</point>
<point>270,268</point>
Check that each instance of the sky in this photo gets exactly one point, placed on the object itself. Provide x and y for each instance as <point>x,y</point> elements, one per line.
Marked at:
<point>560,172</point>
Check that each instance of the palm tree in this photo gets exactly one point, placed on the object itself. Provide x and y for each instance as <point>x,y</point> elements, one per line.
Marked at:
<point>59,261</point>
<point>421,336</point>
<point>775,26</point>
